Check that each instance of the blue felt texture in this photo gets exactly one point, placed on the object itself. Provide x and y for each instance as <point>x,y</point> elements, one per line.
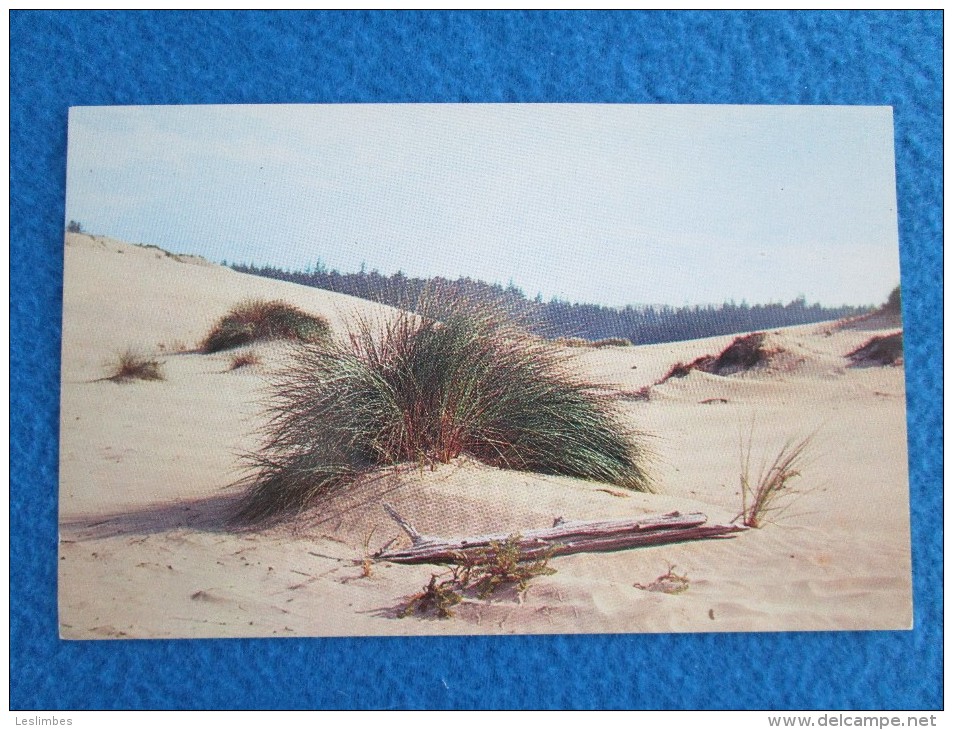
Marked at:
<point>66,58</point>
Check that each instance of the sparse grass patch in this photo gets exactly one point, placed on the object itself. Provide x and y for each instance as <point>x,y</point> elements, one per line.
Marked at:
<point>580,342</point>
<point>244,359</point>
<point>612,342</point>
<point>257,319</point>
<point>175,346</point>
<point>427,390</point>
<point>571,342</point>
<point>642,394</point>
<point>881,350</point>
<point>769,492</point>
<point>678,370</point>
<point>131,365</point>
<point>742,354</point>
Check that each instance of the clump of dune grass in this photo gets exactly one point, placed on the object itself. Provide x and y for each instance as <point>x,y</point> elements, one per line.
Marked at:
<point>424,389</point>
<point>678,370</point>
<point>257,319</point>
<point>881,350</point>
<point>770,492</point>
<point>244,359</point>
<point>131,365</point>
<point>744,353</point>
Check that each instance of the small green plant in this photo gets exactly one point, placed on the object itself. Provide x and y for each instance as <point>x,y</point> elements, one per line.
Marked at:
<point>770,491</point>
<point>438,597</point>
<point>498,566</point>
<point>504,564</point>
<point>257,319</point>
<point>131,365</point>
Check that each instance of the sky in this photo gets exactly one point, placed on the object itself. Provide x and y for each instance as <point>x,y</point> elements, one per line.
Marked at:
<point>605,204</point>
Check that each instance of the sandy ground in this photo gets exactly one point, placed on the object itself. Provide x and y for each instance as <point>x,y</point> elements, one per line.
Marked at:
<point>146,468</point>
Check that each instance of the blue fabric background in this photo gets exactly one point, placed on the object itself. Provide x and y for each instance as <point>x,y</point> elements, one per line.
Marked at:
<point>65,58</point>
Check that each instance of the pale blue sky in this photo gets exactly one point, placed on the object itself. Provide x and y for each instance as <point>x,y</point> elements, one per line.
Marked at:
<point>610,204</point>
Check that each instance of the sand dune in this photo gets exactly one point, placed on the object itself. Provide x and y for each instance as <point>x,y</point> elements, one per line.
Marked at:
<point>146,550</point>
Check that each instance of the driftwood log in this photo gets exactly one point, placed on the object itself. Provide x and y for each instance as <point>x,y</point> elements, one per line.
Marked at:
<point>563,538</point>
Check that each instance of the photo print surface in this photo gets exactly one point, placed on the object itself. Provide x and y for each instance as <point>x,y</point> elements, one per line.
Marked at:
<point>481,369</point>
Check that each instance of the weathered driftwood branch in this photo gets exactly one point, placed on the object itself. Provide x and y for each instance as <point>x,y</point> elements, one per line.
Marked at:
<point>563,538</point>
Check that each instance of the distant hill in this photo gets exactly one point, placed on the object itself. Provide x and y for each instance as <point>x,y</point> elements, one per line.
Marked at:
<point>640,325</point>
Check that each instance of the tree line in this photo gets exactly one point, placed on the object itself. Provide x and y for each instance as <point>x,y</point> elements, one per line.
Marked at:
<point>556,318</point>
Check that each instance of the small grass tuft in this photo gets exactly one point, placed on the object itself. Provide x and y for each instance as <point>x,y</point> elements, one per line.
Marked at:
<point>131,365</point>
<point>770,492</point>
<point>244,359</point>
<point>426,390</point>
<point>367,560</point>
<point>257,319</point>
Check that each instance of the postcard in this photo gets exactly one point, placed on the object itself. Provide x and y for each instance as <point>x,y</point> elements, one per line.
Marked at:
<point>399,369</point>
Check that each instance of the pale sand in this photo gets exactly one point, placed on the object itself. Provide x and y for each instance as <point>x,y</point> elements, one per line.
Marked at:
<point>145,470</point>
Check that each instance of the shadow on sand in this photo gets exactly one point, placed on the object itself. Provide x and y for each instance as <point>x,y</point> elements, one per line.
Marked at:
<point>209,514</point>
<point>216,514</point>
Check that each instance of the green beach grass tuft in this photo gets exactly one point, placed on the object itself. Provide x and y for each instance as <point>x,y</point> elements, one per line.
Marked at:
<point>427,389</point>
<point>257,319</point>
